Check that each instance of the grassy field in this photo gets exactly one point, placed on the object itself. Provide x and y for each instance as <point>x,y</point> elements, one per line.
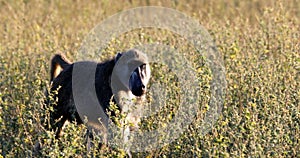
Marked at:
<point>258,40</point>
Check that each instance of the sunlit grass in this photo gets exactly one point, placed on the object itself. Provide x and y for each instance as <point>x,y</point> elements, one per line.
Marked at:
<point>259,42</point>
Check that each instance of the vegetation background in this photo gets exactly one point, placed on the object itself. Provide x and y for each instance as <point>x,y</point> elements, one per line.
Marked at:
<point>259,42</point>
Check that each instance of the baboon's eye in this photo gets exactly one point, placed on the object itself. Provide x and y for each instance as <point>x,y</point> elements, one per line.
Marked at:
<point>143,67</point>
<point>142,70</point>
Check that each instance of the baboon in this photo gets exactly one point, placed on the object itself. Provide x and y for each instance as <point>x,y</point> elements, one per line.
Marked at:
<point>61,90</point>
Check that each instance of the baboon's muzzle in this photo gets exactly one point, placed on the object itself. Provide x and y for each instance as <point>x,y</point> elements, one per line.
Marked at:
<point>139,89</point>
<point>136,84</point>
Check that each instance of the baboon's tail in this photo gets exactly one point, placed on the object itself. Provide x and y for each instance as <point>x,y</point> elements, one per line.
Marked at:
<point>58,63</point>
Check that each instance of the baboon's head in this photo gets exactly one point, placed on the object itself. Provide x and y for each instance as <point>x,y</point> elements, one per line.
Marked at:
<point>129,80</point>
<point>139,78</point>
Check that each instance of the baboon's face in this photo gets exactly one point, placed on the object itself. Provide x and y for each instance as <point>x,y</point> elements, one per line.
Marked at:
<point>139,79</point>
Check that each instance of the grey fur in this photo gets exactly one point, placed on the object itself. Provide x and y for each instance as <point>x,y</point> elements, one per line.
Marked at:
<point>65,109</point>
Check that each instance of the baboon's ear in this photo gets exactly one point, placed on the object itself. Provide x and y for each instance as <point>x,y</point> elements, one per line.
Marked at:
<point>118,56</point>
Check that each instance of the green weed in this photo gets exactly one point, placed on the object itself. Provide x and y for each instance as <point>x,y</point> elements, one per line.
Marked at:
<point>258,40</point>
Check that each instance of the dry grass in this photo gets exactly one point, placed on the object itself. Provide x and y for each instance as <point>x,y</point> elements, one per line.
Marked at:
<point>259,41</point>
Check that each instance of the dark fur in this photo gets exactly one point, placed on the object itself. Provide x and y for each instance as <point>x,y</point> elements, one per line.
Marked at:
<point>64,108</point>
<point>61,90</point>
